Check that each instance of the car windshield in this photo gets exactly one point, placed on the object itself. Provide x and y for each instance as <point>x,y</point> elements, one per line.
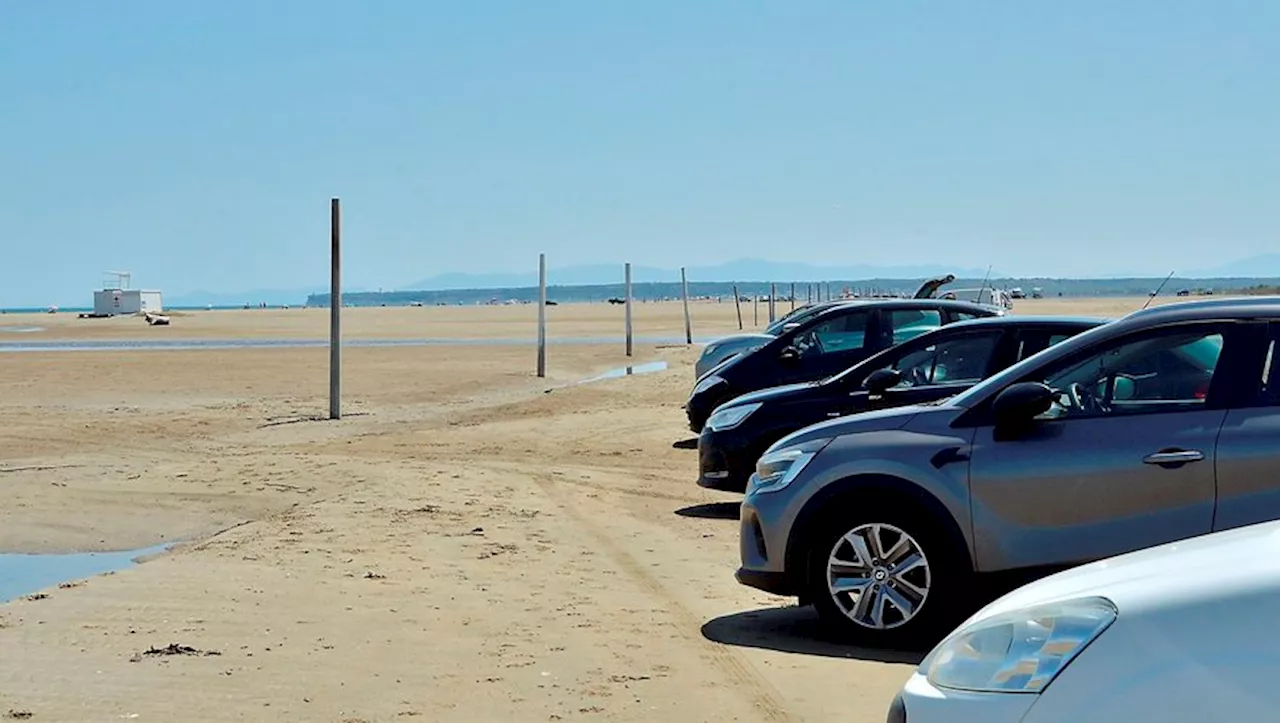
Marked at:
<point>799,315</point>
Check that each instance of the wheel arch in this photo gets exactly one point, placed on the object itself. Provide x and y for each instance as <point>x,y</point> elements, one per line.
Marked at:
<point>885,488</point>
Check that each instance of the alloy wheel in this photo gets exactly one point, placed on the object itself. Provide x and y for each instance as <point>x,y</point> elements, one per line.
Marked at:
<point>878,576</point>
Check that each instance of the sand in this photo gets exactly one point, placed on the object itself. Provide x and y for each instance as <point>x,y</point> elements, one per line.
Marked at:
<point>469,543</point>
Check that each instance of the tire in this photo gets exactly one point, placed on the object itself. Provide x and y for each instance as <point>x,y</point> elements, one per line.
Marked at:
<point>906,619</point>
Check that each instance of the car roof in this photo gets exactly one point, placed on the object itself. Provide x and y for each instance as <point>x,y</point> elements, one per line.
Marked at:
<point>1233,307</point>
<point>917,304</point>
<point>1031,320</point>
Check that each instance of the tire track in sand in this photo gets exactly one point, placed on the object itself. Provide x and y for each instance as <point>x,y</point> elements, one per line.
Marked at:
<point>764,697</point>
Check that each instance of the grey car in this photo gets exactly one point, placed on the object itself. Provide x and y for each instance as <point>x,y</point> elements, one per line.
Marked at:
<point>1157,427</point>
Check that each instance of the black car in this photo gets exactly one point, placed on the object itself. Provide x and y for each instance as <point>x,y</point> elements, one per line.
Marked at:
<point>824,344</point>
<point>929,367</point>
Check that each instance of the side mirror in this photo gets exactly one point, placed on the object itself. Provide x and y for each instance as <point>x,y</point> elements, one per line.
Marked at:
<point>790,355</point>
<point>1021,402</point>
<point>882,379</point>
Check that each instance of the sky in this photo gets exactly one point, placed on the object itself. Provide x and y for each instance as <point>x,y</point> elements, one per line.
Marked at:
<point>197,144</point>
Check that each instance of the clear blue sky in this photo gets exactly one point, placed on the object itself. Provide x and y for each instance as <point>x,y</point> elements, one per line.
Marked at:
<point>197,144</point>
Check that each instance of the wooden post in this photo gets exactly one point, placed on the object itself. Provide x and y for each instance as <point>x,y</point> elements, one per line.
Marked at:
<point>684,293</point>
<point>809,296</point>
<point>737,304</point>
<point>335,309</point>
<point>627,274</point>
<point>793,296</point>
<point>755,308</point>
<point>773,292</point>
<point>542,315</point>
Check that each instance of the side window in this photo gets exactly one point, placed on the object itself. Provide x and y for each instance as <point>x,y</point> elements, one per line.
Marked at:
<point>842,332</point>
<point>1269,393</point>
<point>1034,342</point>
<point>1165,372</point>
<point>909,323</point>
<point>962,359</point>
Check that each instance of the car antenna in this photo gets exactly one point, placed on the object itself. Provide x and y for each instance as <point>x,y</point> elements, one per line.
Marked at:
<point>1157,291</point>
<point>984,287</point>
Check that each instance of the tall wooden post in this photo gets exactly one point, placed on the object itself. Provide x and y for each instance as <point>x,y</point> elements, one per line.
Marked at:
<point>793,296</point>
<point>542,315</point>
<point>627,274</point>
<point>737,304</point>
<point>773,293</point>
<point>335,309</point>
<point>684,293</point>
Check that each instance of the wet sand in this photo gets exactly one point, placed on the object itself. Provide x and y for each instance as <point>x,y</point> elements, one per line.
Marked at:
<point>470,543</point>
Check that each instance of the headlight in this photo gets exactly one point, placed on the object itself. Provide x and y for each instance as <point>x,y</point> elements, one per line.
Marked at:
<point>730,417</point>
<point>707,383</point>
<point>1021,651</point>
<point>776,470</point>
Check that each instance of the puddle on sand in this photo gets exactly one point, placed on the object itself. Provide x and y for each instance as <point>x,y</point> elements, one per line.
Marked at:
<point>646,368</point>
<point>22,329</point>
<point>26,574</point>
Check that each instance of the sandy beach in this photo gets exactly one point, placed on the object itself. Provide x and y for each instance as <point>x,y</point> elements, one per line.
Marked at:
<point>470,543</point>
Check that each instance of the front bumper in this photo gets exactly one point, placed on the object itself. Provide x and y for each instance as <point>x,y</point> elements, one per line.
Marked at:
<point>762,545</point>
<point>774,583</point>
<point>725,462</point>
<point>922,702</point>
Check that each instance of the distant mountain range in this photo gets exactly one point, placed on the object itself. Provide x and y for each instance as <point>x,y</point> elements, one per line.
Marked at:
<point>741,270</point>
<point>744,271</point>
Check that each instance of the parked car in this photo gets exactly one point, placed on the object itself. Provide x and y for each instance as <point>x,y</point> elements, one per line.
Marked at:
<point>717,351</point>
<point>931,366</point>
<point>721,349</point>
<point>1157,427</point>
<point>985,295</point>
<point>1178,633</point>
<point>826,343</point>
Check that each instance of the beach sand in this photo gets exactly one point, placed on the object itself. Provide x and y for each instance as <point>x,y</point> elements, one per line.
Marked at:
<point>470,543</point>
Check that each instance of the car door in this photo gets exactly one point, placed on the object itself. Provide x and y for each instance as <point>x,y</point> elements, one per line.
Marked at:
<point>835,342</point>
<point>1124,460</point>
<point>1248,454</point>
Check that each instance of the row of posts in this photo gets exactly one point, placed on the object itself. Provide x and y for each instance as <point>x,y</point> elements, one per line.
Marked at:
<point>684,298</point>
<point>335,308</point>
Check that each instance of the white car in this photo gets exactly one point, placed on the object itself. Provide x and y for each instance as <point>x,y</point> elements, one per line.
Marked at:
<point>1181,633</point>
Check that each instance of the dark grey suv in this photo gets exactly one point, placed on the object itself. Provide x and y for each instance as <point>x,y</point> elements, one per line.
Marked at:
<point>1157,427</point>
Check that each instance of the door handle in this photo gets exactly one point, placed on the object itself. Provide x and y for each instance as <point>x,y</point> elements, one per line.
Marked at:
<point>1174,457</point>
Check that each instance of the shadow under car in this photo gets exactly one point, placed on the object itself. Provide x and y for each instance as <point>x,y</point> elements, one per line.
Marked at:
<point>794,630</point>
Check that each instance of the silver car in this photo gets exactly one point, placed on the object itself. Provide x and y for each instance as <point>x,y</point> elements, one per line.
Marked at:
<point>1157,427</point>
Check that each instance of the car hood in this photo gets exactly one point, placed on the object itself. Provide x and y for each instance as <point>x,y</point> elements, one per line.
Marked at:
<point>1218,564</point>
<point>878,420</point>
<point>773,394</point>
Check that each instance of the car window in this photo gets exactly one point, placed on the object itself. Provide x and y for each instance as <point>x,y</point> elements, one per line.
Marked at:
<point>842,332</point>
<point>1269,392</point>
<point>1159,373</point>
<point>1033,342</point>
<point>910,323</point>
<point>962,359</point>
